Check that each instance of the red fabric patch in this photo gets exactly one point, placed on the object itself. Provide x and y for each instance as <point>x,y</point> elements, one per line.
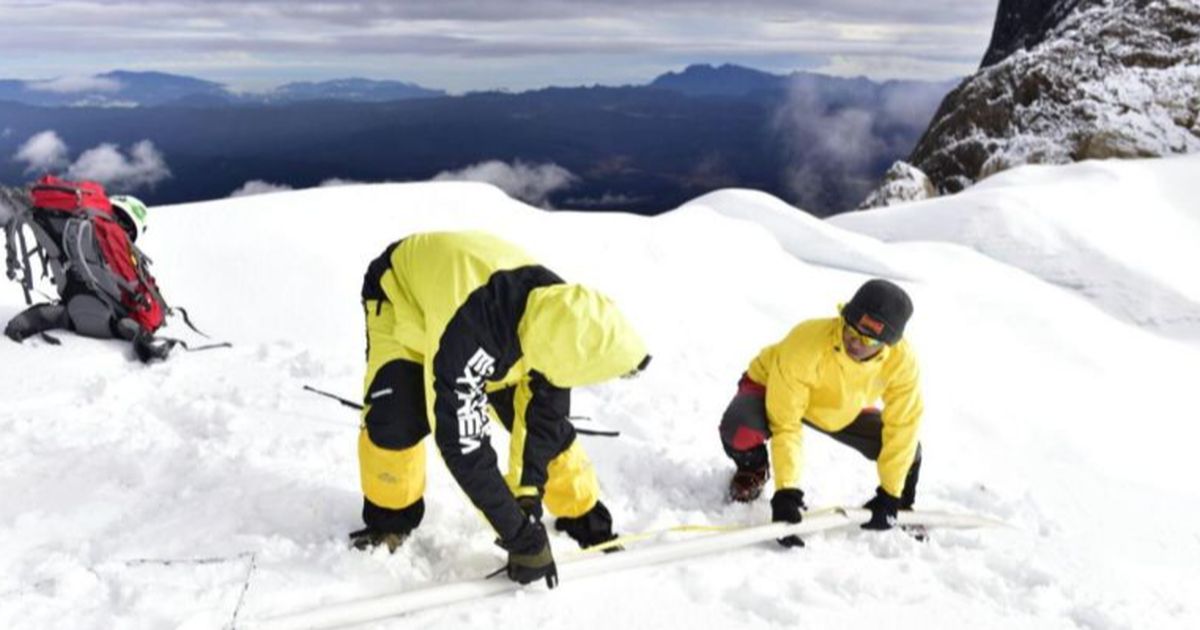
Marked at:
<point>747,386</point>
<point>746,438</point>
<point>53,193</point>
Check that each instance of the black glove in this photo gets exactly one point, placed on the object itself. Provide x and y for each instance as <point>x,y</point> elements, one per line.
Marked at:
<point>531,506</point>
<point>883,510</point>
<point>529,557</point>
<point>786,507</point>
<point>589,529</point>
<point>369,538</point>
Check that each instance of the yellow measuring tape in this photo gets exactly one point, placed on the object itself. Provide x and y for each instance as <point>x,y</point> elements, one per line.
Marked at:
<point>621,541</point>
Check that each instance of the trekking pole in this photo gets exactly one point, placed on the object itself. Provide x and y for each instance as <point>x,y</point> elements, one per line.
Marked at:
<point>584,425</point>
<point>349,403</point>
<point>26,275</point>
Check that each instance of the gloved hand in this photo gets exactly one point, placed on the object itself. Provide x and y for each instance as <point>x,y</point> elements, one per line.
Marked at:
<point>531,506</point>
<point>883,510</point>
<point>529,557</point>
<point>589,529</point>
<point>786,507</point>
<point>369,538</point>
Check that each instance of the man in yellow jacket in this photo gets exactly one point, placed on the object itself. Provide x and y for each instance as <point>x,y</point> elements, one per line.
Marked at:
<point>827,374</point>
<point>463,327</point>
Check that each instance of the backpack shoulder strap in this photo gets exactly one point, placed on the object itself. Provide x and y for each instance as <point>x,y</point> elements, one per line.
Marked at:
<point>86,260</point>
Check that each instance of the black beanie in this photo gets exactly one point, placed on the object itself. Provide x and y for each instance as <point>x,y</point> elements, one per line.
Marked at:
<point>880,309</point>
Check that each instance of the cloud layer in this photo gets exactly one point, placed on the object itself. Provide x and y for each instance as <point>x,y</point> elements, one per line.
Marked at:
<point>144,166</point>
<point>75,84</point>
<point>832,152</point>
<point>532,184</point>
<point>46,152</point>
<point>262,187</point>
<point>317,38</point>
<point>42,152</point>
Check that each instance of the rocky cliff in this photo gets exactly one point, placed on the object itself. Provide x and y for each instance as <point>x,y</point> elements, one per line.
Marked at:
<point>1070,80</point>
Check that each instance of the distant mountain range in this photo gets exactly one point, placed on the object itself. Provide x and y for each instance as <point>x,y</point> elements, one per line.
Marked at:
<point>151,89</point>
<point>820,142</point>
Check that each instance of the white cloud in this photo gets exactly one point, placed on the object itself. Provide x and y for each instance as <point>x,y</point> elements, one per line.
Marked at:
<point>532,184</point>
<point>259,187</point>
<point>106,164</point>
<point>337,181</point>
<point>828,150</point>
<point>71,85</point>
<point>43,151</point>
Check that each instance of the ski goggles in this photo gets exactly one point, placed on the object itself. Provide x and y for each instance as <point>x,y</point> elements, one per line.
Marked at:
<point>863,338</point>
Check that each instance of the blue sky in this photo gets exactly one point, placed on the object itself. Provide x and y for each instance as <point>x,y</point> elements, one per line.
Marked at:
<point>461,45</point>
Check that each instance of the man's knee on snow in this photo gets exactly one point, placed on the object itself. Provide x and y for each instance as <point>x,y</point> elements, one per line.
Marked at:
<point>395,416</point>
<point>750,459</point>
<point>744,424</point>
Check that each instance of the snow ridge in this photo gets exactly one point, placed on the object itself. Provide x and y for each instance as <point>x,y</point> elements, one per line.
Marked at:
<point>211,489</point>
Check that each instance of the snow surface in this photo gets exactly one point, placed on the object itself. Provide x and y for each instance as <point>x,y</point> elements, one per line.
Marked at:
<point>185,493</point>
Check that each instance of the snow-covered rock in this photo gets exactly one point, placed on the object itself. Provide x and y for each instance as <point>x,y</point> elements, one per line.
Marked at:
<point>902,183</point>
<point>1078,79</point>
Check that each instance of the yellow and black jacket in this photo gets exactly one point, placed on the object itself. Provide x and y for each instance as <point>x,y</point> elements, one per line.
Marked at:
<point>809,377</point>
<point>479,315</point>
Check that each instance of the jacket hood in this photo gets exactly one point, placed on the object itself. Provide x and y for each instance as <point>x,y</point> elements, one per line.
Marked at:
<point>576,336</point>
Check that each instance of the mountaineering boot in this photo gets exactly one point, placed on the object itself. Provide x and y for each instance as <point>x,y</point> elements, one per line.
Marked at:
<point>592,528</point>
<point>148,348</point>
<point>369,538</point>
<point>747,483</point>
<point>386,526</point>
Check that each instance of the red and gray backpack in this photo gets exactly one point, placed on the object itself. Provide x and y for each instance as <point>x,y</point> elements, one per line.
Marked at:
<point>81,245</point>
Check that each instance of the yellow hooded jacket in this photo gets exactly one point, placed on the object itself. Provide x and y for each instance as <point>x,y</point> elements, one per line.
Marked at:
<point>479,314</point>
<point>809,376</point>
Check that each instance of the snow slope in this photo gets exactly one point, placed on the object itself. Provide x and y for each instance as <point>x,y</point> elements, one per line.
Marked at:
<point>185,493</point>
<point>1119,233</point>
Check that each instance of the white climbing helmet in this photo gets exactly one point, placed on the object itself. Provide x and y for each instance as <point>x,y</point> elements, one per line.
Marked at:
<point>133,212</point>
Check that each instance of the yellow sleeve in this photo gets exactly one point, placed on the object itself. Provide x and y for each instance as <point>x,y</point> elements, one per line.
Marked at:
<point>787,400</point>
<point>902,409</point>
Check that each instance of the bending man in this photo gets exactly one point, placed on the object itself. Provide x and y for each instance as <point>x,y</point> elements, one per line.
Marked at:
<point>458,323</point>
